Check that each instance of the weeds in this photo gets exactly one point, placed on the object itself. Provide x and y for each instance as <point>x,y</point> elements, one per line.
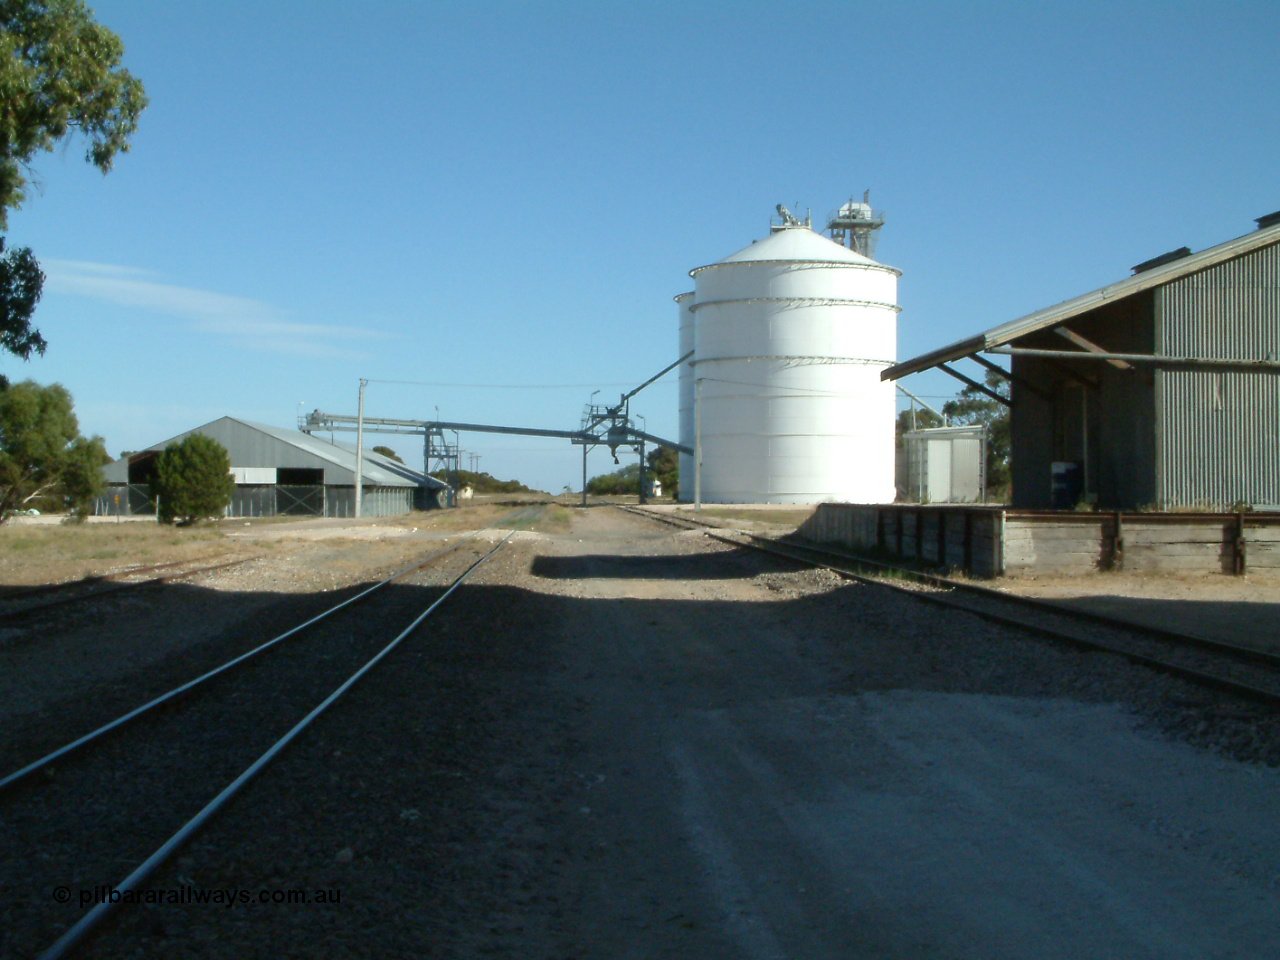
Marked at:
<point>45,554</point>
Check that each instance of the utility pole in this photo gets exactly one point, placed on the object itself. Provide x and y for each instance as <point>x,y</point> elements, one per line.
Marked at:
<point>643,498</point>
<point>360,448</point>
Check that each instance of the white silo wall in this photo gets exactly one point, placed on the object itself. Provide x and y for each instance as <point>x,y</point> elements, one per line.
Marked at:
<point>790,337</point>
<point>685,303</point>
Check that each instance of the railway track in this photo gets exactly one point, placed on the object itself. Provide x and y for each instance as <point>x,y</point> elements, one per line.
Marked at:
<point>1239,670</point>
<point>188,751</point>
<point>93,588</point>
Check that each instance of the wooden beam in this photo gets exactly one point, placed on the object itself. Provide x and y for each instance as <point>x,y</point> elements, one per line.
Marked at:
<point>975,384</point>
<point>1089,345</point>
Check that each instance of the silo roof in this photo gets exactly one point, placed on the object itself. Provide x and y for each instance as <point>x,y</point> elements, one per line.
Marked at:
<point>795,244</point>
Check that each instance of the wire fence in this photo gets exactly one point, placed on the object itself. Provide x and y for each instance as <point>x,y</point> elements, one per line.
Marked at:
<point>274,500</point>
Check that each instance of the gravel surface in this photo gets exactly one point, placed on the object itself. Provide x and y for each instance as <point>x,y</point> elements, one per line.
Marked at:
<point>1236,609</point>
<point>631,742</point>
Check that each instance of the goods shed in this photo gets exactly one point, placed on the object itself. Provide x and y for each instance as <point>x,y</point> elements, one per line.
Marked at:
<point>1158,392</point>
<point>281,472</point>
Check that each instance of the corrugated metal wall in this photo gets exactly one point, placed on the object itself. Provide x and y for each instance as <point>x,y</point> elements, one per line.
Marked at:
<point>1218,433</point>
<point>271,500</point>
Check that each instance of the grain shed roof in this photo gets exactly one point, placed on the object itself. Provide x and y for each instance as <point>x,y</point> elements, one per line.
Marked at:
<point>263,445</point>
<point>1059,313</point>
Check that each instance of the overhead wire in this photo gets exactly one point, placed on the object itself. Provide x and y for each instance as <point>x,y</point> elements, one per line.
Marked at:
<point>507,386</point>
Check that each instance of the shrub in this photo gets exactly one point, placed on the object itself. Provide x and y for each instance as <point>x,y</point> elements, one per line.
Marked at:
<point>193,480</point>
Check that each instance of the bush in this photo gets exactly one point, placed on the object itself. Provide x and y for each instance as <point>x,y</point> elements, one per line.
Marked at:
<point>193,480</point>
<point>619,483</point>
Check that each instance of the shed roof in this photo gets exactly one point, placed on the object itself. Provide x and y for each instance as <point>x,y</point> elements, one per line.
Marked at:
<point>1061,312</point>
<point>378,471</point>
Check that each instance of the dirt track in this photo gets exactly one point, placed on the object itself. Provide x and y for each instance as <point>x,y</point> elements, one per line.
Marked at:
<point>626,741</point>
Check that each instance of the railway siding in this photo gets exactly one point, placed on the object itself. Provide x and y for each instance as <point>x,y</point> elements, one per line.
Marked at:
<point>180,758</point>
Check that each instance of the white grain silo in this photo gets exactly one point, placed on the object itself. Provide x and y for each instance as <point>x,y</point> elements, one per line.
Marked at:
<point>685,303</point>
<point>790,336</point>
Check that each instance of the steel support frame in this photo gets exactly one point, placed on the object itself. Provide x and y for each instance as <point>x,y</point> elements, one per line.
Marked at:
<point>946,368</point>
<point>1213,363</point>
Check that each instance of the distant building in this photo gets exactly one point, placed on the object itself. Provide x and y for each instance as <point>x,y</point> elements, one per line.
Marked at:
<point>1159,391</point>
<point>281,472</point>
<point>942,465</point>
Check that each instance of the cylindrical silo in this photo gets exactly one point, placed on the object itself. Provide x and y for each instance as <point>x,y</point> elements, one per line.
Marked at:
<point>790,336</point>
<point>685,303</point>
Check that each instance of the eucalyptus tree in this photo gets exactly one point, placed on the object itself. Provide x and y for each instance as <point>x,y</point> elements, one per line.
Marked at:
<point>43,457</point>
<point>60,77</point>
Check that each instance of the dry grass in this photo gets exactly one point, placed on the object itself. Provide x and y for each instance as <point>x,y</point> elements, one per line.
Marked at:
<point>33,555</point>
<point>473,516</point>
<point>555,518</point>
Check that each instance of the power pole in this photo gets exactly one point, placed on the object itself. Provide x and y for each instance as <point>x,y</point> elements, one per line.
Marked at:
<point>360,448</point>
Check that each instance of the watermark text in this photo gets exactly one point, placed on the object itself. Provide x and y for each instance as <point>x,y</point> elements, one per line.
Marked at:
<point>188,894</point>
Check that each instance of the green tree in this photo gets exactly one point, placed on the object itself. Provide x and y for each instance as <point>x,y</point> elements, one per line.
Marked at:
<point>618,483</point>
<point>923,419</point>
<point>193,480</point>
<point>21,283</point>
<point>664,466</point>
<point>82,474</point>
<point>481,482</point>
<point>388,453</point>
<point>973,407</point>
<point>60,74</point>
<point>42,454</point>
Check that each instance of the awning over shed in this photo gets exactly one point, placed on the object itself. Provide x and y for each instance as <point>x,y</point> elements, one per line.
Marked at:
<point>1051,317</point>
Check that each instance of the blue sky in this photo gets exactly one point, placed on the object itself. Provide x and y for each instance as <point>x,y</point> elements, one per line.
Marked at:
<point>500,199</point>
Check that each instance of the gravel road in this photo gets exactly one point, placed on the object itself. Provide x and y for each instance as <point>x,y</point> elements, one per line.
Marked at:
<point>632,742</point>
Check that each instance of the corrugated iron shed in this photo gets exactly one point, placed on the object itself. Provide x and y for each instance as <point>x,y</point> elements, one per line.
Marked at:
<point>1160,391</point>
<point>1067,309</point>
<point>262,445</point>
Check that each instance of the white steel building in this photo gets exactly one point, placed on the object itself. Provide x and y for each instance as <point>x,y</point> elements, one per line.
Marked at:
<point>785,399</point>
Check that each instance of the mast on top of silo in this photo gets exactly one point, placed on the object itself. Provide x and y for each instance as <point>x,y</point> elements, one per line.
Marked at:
<point>855,224</point>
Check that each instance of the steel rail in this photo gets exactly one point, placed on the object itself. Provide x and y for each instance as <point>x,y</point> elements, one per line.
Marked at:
<point>1202,677</point>
<point>113,588</point>
<point>178,691</point>
<point>90,580</point>
<point>1055,609</point>
<point>661,518</point>
<point>94,917</point>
